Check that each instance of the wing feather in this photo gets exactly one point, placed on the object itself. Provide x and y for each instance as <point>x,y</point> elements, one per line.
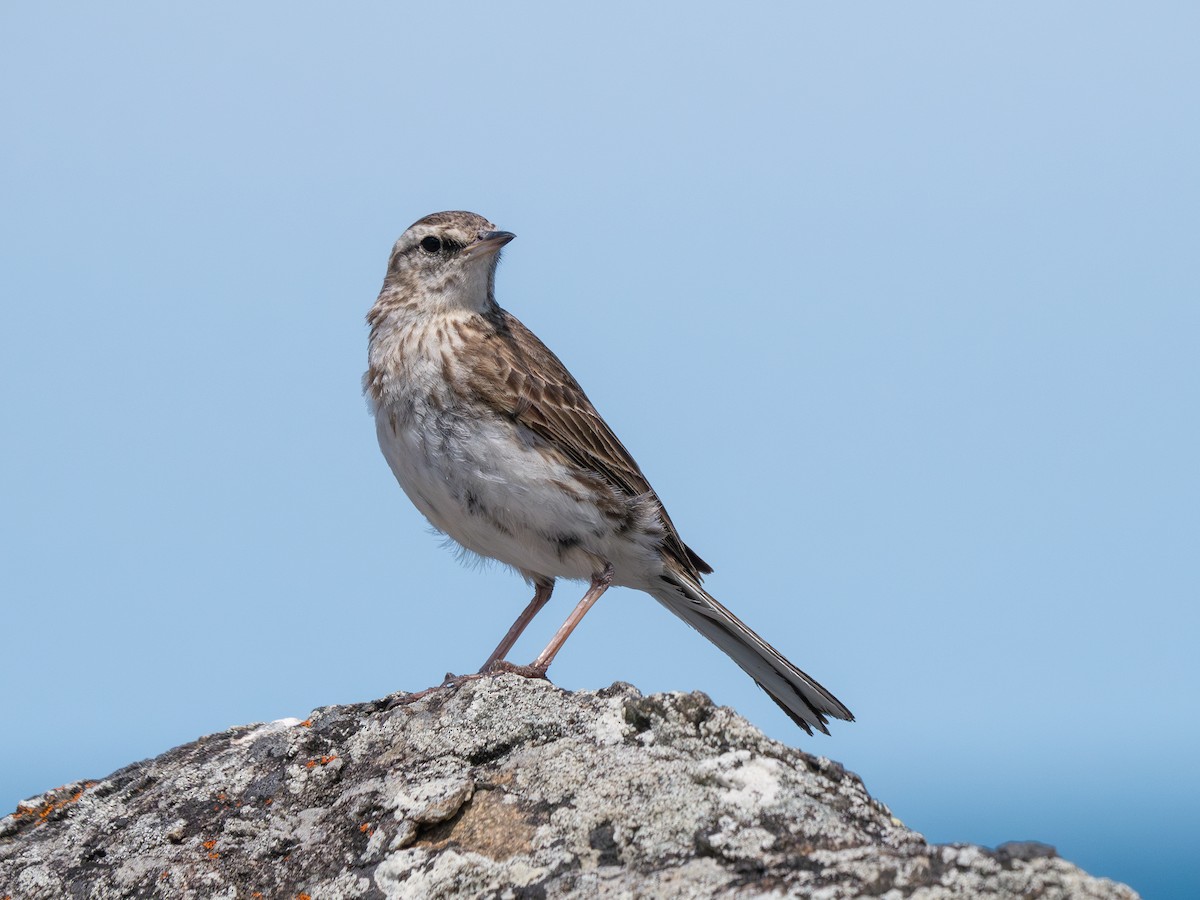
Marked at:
<point>518,376</point>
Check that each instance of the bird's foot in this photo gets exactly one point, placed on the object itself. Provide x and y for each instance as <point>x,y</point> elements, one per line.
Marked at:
<point>502,666</point>
<point>452,680</point>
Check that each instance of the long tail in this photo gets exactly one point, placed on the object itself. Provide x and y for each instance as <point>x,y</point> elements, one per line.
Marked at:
<point>802,698</point>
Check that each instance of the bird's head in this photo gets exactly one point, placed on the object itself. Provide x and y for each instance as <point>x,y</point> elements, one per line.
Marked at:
<point>446,261</point>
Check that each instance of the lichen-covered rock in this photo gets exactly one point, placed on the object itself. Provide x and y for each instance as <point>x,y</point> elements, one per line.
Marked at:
<point>499,787</point>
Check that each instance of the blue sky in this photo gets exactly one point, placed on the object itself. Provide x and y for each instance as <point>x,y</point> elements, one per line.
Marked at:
<point>896,306</point>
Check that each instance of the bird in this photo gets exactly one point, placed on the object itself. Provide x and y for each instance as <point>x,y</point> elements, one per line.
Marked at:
<point>497,445</point>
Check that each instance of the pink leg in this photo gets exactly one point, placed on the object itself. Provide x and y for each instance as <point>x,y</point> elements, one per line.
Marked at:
<point>541,594</point>
<point>599,585</point>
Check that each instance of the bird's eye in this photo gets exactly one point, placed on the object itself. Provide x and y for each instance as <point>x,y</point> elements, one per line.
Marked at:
<point>431,244</point>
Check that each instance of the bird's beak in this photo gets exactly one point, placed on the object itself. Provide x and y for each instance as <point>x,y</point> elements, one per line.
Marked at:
<point>489,242</point>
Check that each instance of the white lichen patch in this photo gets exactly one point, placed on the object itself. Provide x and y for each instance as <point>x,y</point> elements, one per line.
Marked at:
<point>754,784</point>
<point>751,783</point>
<point>610,727</point>
<point>741,842</point>
<point>433,801</point>
<point>265,729</point>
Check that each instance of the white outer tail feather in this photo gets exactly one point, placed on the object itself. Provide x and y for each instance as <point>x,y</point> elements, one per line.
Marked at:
<point>805,701</point>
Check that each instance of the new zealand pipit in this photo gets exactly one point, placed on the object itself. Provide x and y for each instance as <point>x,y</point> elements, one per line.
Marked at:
<point>498,446</point>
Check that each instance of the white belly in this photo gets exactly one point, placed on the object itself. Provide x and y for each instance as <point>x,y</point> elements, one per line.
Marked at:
<point>492,490</point>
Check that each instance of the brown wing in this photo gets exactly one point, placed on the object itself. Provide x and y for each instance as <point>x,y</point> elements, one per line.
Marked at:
<point>518,376</point>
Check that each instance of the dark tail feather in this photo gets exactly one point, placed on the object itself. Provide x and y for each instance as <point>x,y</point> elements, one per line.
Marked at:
<point>803,699</point>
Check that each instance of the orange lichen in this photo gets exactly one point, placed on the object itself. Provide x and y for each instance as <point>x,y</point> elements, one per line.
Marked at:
<point>325,760</point>
<point>364,826</point>
<point>214,856</point>
<point>51,805</point>
<point>303,896</point>
<point>208,845</point>
<point>307,723</point>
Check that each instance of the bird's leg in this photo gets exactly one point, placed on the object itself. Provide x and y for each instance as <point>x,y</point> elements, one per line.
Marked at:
<point>600,583</point>
<point>542,590</point>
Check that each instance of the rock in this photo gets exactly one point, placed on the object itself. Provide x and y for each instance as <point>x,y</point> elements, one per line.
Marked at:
<point>505,788</point>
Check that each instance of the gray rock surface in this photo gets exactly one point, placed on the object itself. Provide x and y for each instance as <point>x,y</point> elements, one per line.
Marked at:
<point>499,787</point>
